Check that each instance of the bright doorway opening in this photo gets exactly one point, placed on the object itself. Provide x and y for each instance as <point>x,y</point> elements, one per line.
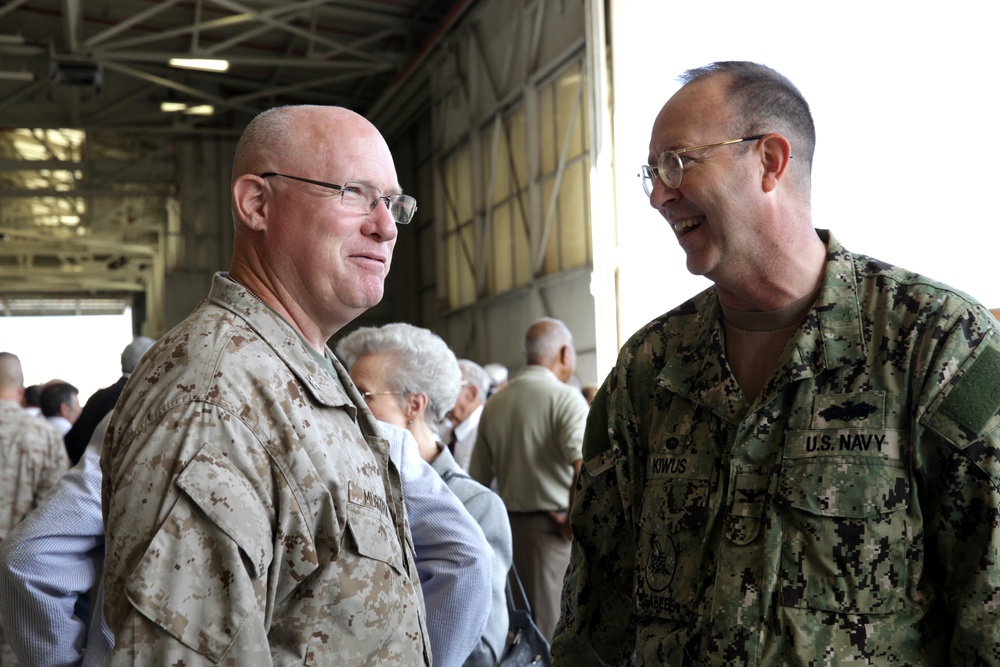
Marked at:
<point>84,350</point>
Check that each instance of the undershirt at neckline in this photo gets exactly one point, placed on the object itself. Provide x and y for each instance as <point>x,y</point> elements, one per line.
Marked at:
<point>755,341</point>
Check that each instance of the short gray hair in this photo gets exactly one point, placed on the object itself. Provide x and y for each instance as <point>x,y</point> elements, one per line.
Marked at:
<point>764,100</point>
<point>133,352</point>
<point>476,376</point>
<point>544,339</point>
<point>424,363</point>
<point>497,372</point>
<point>267,134</point>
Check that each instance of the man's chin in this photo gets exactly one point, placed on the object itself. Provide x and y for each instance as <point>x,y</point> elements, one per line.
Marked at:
<point>697,266</point>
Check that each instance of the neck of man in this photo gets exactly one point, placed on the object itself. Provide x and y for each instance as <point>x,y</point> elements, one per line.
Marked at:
<point>787,272</point>
<point>267,292</point>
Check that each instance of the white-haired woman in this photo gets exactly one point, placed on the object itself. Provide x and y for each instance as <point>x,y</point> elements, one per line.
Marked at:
<point>410,378</point>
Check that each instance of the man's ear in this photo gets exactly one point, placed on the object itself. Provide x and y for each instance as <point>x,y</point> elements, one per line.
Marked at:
<point>776,153</point>
<point>250,201</point>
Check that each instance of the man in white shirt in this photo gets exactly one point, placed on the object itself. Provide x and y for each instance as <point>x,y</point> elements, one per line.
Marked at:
<point>468,408</point>
<point>60,403</point>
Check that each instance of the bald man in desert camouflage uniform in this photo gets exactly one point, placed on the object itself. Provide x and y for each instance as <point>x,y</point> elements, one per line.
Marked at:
<point>32,459</point>
<point>800,465</point>
<point>253,515</point>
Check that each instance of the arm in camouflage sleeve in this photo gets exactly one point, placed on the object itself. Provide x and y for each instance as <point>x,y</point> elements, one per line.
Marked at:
<point>959,469</point>
<point>188,588</point>
<point>596,624</point>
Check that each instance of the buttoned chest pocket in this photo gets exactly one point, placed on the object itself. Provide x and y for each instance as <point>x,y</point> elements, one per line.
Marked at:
<point>671,523</point>
<point>844,539</point>
<point>369,523</point>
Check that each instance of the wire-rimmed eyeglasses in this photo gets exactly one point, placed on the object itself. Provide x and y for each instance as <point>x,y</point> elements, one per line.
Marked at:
<point>368,395</point>
<point>363,198</point>
<point>670,166</point>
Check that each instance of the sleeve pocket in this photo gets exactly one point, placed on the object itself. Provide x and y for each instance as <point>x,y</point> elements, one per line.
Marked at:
<point>230,502</point>
<point>199,579</point>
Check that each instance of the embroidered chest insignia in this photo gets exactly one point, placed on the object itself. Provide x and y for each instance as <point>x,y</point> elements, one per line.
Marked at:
<point>849,411</point>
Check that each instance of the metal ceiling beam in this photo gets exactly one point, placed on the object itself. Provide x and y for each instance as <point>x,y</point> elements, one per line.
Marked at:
<point>11,6</point>
<point>135,19</point>
<point>266,17</point>
<point>291,61</point>
<point>71,24</point>
<point>167,83</point>
<point>77,284</point>
<point>78,192</point>
<point>77,246</point>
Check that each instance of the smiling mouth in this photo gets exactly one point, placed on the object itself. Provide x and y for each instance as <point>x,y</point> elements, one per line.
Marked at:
<point>682,227</point>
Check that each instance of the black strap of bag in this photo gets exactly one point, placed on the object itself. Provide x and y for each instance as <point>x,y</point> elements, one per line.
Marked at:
<point>528,646</point>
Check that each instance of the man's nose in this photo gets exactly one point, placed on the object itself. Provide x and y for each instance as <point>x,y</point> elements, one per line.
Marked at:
<point>383,224</point>
<point>662,194</point>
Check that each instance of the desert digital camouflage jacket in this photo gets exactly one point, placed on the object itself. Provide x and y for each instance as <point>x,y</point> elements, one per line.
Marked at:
<point>32,459</point>
<point>848,516</point>
<point>253,516</point>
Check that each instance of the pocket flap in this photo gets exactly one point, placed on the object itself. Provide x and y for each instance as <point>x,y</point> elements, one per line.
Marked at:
<point>856,488</point>
<point>225,495</point>
<point>370,524</point>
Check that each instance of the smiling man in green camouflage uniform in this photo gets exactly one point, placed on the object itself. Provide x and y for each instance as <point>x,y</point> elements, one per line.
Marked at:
<point>253,516</point>
<point>800,465</point>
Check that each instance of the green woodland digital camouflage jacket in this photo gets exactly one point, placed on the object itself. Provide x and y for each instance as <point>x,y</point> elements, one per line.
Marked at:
<point>848,516</point>
<point>253,516</point>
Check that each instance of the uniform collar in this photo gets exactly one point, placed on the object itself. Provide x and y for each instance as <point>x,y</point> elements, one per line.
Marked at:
<point>288,345</point>
<point>830,337</point>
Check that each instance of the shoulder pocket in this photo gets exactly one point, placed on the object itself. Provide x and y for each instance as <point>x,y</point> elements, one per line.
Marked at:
<point>200,578</point>
<point>230,502</point>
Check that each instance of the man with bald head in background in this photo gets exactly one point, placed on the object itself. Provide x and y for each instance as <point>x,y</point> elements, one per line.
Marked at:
<point>253,515</point>
<point>530,437</point>
<point>32,459</point>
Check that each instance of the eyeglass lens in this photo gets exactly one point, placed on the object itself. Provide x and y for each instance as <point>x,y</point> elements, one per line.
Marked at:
<point>361,197</point>
<point>669,167</point>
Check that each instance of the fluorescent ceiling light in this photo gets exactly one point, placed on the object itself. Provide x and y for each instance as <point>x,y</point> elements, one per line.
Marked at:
<point>206,64</point>
<point>189,109</point>
<point>200,110</point>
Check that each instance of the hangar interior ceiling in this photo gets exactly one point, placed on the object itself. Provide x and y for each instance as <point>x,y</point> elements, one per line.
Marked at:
<point>88,187</point>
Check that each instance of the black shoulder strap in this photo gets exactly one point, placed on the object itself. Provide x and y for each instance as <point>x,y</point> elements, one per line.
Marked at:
<point>512,575</point>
